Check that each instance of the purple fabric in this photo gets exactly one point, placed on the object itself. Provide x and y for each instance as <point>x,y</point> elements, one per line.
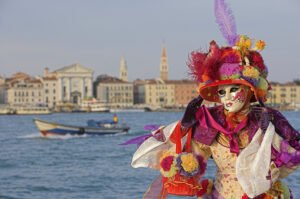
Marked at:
<point>206,134</point>
<point>215,194</point>
<point>140,139</point>
<point>284,129</point>
<point>207,121</point>
<point>284,158</point>
<point>151,127</point>
<point>137,140</point>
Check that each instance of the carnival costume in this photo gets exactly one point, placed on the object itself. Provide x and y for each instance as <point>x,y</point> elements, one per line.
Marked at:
<point>252,148</point>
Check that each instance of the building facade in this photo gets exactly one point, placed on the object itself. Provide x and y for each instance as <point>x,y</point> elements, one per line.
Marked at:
<point>154,92</point>
<point>184,91</point>
<point>287,94</point>
<point>50,86</point>
<point>113,91</point>
<point>74,83</point>
<point>2,90</point>
<point>24,90</point>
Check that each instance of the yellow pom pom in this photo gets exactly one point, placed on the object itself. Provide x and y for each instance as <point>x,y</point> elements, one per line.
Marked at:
<point>260,45</point>
<point>189,162</point>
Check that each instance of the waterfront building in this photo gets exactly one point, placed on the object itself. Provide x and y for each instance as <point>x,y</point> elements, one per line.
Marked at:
<point>164,68</point>
<point>154,92</point>
<point>2,90</point>
<point>24,90</point>
<point>184,91</point>
<point>285,94</point>
<point>114,91</point>
<point>50,86</point>
<point>74,83</point>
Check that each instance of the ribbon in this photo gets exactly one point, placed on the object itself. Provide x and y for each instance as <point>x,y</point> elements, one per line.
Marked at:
<point>137,140</point>
<point>207,121</point>
<point>140,139</point>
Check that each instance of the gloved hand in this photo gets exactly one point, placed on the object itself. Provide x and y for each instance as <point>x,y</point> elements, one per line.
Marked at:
<point>189,117</point>
<point>158,134</point>
<point>264,117</point>
<point>274,173</point>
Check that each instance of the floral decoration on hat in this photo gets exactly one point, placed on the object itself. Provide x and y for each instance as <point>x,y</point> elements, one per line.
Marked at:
<point>238,63</point>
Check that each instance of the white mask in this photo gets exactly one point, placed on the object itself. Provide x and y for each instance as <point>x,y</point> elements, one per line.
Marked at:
<point>233,96</point>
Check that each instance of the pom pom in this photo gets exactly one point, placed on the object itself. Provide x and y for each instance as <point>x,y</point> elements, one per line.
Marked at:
<point>204,66</point>
<point>256,60</point>
<point>260,45</point>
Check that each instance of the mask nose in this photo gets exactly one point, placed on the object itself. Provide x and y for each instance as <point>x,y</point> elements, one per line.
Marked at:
<point>227,95</point>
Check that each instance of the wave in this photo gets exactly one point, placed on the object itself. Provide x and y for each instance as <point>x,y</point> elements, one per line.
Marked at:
<point>55,137</point>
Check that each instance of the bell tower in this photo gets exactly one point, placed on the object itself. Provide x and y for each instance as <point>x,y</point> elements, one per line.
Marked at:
<point>164,71</point>
<point>123,70</point>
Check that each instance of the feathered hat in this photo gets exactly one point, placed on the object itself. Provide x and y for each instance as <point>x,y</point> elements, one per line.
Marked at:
<point>238,63</point>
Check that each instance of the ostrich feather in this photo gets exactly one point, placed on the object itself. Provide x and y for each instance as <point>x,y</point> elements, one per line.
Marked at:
<point>226,22</point>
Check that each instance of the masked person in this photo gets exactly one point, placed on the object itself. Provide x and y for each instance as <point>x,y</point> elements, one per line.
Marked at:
<point>252,146</point>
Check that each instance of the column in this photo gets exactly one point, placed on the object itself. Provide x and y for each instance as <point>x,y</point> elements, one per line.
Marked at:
<point>60,89</point>
<point>69,89</point>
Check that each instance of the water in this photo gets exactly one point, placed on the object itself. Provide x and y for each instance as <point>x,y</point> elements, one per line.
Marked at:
<point>79,167</point>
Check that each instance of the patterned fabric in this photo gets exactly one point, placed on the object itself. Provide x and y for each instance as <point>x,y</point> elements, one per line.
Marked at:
<point>214,143</point>
<point>282,126</point>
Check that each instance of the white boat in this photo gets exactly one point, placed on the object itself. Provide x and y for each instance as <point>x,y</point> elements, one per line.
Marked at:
<point>93,106</point>
<point>7,111</point>
<point>31,110</point>
<point>115,110</point>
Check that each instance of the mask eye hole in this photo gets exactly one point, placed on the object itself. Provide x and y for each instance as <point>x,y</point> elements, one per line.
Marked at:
<point>221,92</point>
<point>234,89</point>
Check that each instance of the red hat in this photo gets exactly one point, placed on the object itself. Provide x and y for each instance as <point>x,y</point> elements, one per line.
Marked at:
<point>238,63</point>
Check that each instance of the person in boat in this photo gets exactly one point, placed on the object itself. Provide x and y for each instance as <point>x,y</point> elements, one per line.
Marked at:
<point>115,119</point>
<point>252,146</point>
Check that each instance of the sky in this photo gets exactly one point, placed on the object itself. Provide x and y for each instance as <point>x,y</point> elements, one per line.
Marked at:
<point>35,34</point>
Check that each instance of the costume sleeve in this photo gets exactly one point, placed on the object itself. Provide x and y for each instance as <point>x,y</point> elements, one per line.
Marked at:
<point>285,157</point>
<point>284,129</point>
<point>183,130</point>
<point>285,145</point>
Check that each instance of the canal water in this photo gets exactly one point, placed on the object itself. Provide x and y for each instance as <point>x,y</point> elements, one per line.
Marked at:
<point>80,167</point>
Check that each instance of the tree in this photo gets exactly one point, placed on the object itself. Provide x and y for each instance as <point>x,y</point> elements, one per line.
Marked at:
<point>297,81</point>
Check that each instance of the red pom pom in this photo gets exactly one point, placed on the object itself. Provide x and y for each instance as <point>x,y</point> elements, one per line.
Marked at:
<point>256,60</point>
